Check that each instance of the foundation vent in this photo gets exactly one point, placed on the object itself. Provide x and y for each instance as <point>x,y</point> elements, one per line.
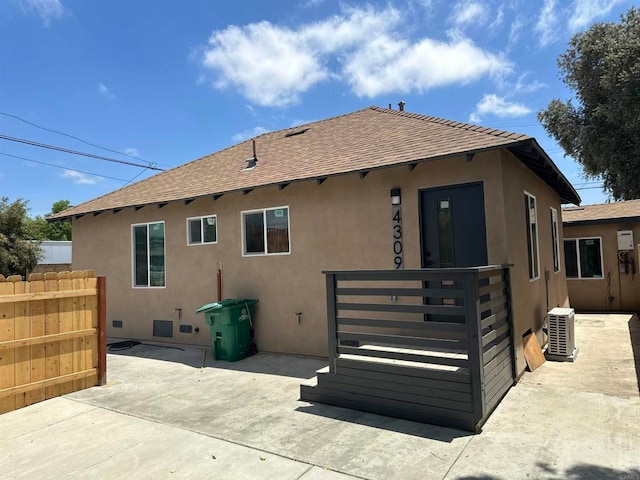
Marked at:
<point>163,328</point>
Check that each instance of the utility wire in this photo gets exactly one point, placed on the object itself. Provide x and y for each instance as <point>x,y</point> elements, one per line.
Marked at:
<point>75,152</point>
<point>70,136</point>
<point>64,168</point>
<point>130,181</point>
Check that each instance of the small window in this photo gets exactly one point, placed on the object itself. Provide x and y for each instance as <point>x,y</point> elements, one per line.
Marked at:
<point>583,258</point>
<point>555,244</point>
<point>266,232</point>
<point>148,255</point>
<point>202,230</point>
<point>532,236</point>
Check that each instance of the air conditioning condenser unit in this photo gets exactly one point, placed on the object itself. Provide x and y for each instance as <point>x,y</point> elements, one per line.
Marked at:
<point>562,338</point>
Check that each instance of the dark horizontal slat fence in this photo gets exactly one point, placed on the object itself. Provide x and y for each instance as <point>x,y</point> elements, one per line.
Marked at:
<point>432,345</point>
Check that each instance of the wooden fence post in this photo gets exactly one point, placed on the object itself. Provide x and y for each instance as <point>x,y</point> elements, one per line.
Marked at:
<point>102,330</point>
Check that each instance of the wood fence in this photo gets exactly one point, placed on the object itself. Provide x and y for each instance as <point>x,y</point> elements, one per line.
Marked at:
<point>52,336</point>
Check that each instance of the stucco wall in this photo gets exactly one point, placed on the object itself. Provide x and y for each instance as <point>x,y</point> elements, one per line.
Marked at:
<point>342,224</point>
<point>593,294</point>
<point>531,298</point>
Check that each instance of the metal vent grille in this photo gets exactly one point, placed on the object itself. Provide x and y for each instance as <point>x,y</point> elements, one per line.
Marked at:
<point>561,331</point>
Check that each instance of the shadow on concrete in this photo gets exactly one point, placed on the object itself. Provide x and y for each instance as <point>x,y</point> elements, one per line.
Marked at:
<point>579,471</point>
<point>406,427</point>
<point>191,356</point>
<point>584,470</point>
<point>479,477</point>
<point>634,333</point>
<point>295,366</point>
<point>299,367</point>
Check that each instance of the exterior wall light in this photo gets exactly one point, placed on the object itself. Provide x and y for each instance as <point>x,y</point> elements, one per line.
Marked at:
<point>396,199</point>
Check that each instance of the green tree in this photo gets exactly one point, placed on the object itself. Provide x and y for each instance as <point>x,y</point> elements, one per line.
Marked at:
<point>41,229</point>
<point>602,129</point>
<point>18,252</point>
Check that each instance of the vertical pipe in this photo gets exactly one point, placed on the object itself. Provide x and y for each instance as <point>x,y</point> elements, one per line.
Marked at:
<point>102,330</point>
<point>219,284</point>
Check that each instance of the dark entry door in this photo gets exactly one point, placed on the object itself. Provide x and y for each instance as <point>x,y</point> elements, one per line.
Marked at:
<point>453,226</point>
<point>453,235</point>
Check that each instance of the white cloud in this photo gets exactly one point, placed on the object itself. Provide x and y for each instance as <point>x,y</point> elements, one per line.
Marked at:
<point>522,86</point>
<point>103,90</point>
<point>254,132</point>
<point>491,104</point>
<point>585,11</point>
<point>388,66</point>
<point>466,13</point>
<point>300,121</point>
<point>515,31</point>
<point>312,3</point>
<point>369,49</point>
<point>498,20</point>
<point>267,63</point>
<point>547,24</point>
<point>134,152</point>
<point>47,10</point>
<point>80,178</point>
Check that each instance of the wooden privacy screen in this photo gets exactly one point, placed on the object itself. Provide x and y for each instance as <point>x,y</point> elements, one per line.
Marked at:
<point>52,336</point>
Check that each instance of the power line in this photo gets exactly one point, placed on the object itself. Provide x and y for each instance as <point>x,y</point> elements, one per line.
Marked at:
<point>70,136</point>
<point>64,168</point>
<point>588,183</point>
<point>75,152</point>
<point>141,172</point>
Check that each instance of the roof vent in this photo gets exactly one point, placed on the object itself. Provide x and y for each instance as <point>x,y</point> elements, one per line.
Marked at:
<point>252,161</point>
<point>401,105</point>
<point>297,132</point>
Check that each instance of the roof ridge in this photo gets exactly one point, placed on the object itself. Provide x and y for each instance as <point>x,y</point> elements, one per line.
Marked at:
<point>453,123</point>
<point>605,204</point>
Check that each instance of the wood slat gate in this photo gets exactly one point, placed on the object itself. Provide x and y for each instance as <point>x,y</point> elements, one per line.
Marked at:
<point>52,336</point>
<point>432,345</point>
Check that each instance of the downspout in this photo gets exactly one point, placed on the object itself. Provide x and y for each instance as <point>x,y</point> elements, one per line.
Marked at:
<point>220,281</point>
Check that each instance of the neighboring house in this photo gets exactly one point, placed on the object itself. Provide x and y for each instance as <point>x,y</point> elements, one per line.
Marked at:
<point>601,245</point>
<point>274,214</point>
<point>56,257</point>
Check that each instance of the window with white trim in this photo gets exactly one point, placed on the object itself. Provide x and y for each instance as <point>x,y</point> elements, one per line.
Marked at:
<point>583,257</point>
<point>201,230</point>
<point>555,243</point>
<point>265,231</point>
<point>148,254</point>
<point>532,236</point>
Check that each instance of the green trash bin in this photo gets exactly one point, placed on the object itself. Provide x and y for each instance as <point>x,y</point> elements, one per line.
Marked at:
<point>230,322</point>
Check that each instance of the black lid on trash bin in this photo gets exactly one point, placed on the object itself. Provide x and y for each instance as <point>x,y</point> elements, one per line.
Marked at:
<point>226,303</point>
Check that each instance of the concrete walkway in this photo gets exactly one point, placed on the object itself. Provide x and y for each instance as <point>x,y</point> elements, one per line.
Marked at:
<point>164,415</point>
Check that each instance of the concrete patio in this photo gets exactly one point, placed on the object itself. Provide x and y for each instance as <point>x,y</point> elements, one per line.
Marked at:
<point>169,413</point>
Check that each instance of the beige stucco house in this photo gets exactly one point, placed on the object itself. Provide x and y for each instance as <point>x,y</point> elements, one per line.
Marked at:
<point>271,214</point>
<point>601,246</point>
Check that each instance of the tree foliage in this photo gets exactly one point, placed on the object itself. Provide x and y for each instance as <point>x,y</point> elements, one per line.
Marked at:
<point>41,229</point>
<point>18,252</point>
<point>602,129</point>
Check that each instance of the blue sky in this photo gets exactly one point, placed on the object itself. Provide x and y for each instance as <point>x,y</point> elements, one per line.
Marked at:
<point>165,82</point>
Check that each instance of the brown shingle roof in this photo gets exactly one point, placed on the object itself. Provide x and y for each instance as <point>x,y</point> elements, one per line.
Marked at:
<point>363,140</point>
<point>602,213</point>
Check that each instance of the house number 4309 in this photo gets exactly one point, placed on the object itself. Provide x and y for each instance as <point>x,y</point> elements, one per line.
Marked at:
<point>397,237</point>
